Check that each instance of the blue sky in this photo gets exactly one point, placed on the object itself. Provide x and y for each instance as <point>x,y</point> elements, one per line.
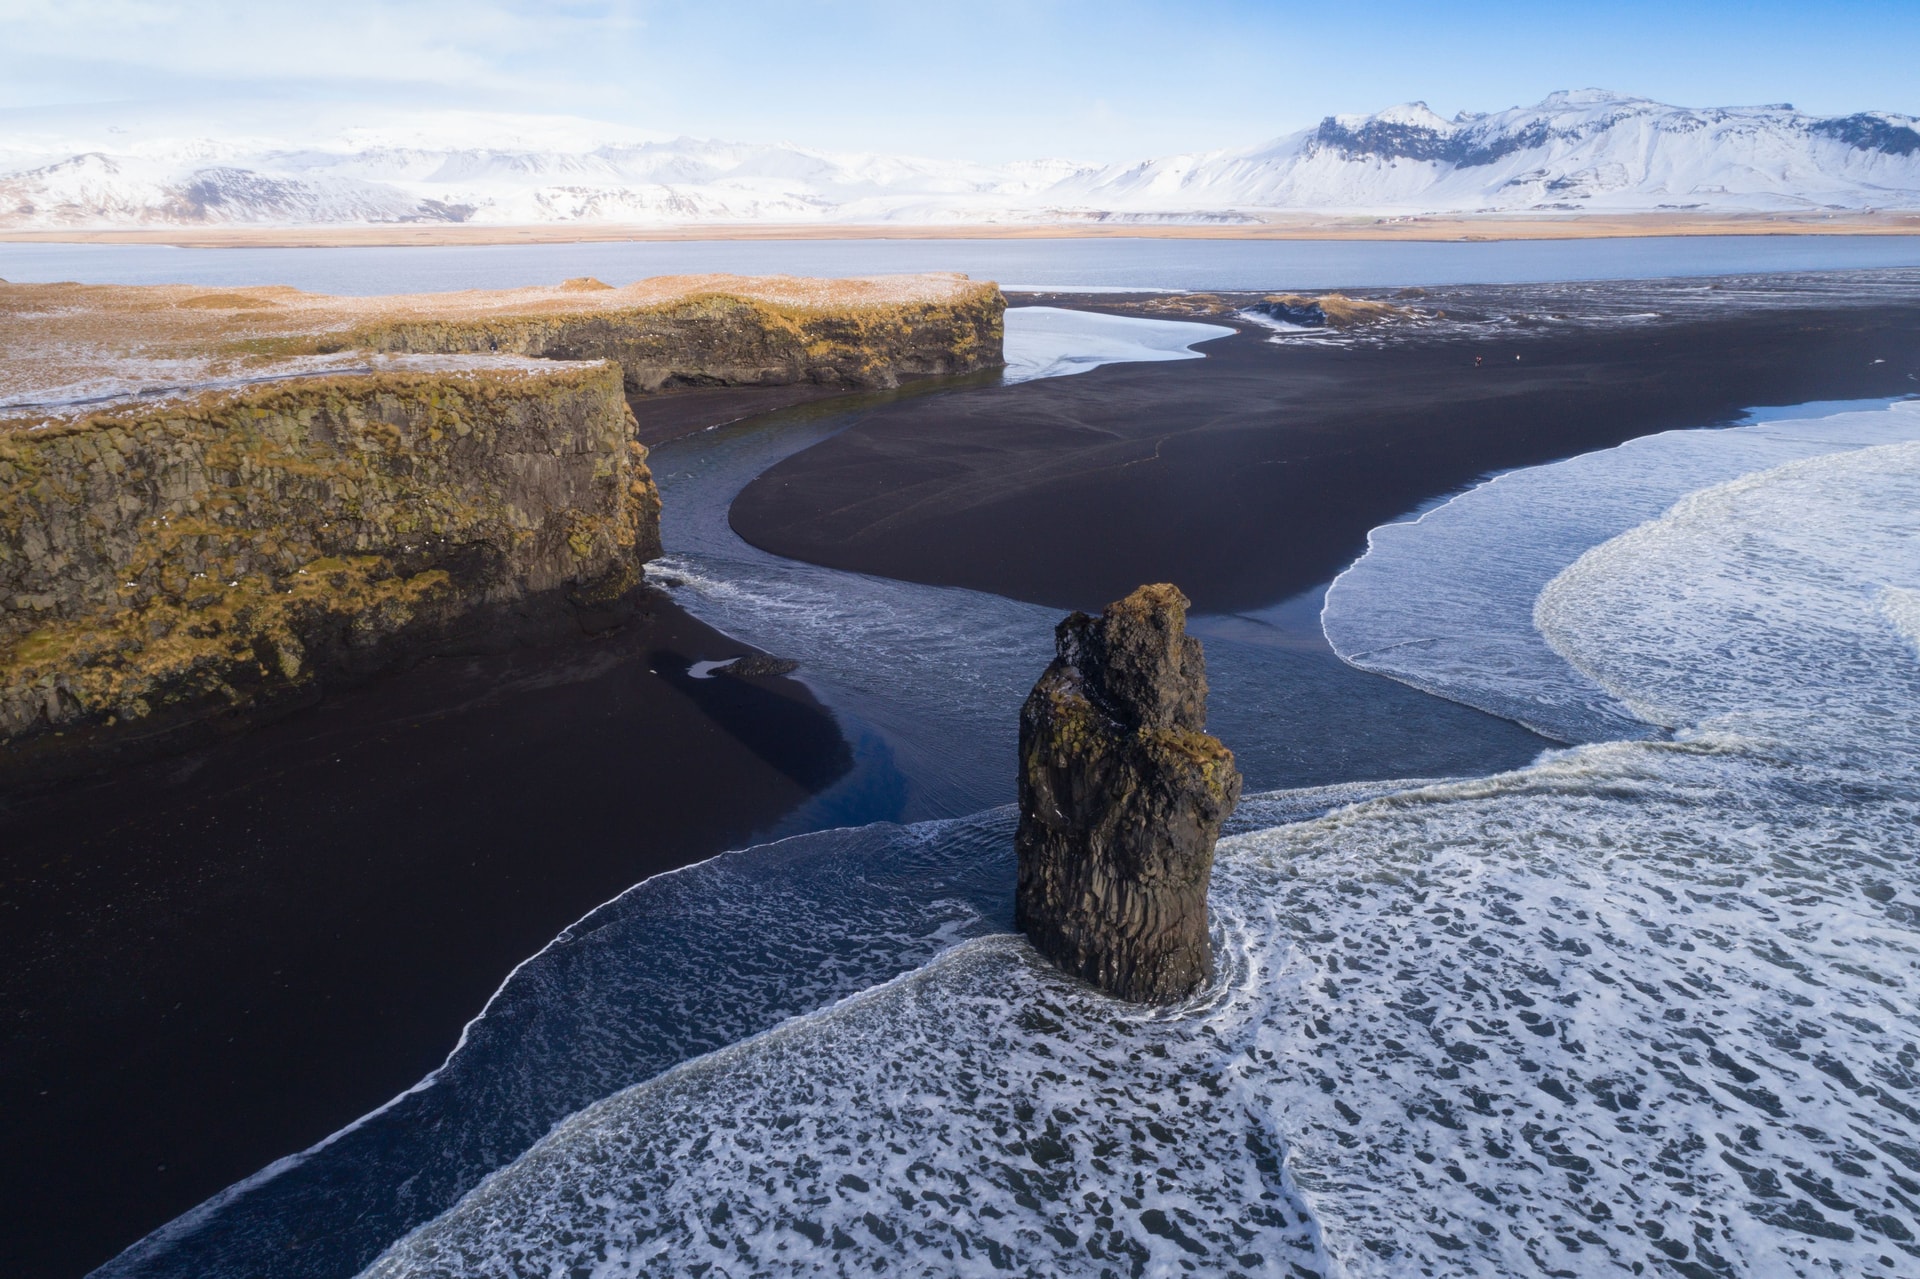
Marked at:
<point>982,79</point>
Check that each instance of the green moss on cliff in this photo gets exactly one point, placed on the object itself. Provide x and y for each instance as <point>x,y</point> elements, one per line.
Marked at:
<point>221,643</point>
<point>209,551</point>
<point>181,554</point>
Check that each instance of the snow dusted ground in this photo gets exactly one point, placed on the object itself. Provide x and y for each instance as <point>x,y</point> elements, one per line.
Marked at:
<point>1586,151</point>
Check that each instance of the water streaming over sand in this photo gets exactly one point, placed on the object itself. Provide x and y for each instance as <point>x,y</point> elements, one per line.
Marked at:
<point>1644,1006</point>
<point>1345,1102</point>
<point>927,683</point>
<point>927,680</point>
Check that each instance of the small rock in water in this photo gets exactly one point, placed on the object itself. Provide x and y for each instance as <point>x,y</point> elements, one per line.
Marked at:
<point>759,664</point>
<point>1122,794</point>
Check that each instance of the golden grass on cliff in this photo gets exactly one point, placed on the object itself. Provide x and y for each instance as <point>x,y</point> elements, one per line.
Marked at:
<point>1341,310</point>
<point>65,343</point>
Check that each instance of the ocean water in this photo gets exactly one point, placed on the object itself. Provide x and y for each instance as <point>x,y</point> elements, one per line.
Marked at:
<point>1642,1006</point>
<point>1445,602</point>
<point>906,859</point>
<point>927,681</point>
<point>1017,264</point>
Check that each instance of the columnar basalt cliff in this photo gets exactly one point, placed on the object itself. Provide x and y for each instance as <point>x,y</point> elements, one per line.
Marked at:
<point>210,500</point>
<point>1122,795</point>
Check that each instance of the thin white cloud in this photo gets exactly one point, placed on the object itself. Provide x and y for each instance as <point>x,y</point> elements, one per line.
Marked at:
<point>469,45</point>
<point>983,79</point>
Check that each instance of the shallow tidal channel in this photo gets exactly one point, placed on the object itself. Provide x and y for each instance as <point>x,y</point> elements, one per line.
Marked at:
<point>907,857</point>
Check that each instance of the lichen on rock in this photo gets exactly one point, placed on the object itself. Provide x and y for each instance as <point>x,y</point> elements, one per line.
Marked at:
<point>76,343</point>
<point>1122,796</point>
<point>173,559</point>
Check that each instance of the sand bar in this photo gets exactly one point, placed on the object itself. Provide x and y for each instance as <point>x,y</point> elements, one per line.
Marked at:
<point>1256,473</point>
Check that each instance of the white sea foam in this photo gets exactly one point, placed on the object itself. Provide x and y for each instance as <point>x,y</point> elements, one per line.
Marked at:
<point>1643,1007</point>
<point>1445,602</point>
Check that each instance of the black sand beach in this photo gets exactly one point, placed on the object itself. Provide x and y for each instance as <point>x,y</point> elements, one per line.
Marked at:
<point>672,414</point>
<point>218,959</point>
<point>1256,472</point>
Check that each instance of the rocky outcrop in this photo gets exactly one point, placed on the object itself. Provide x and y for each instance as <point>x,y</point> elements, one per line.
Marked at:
<point>719,338</point>
<point>1328,310</point>
<point>1122,795</point>
<point>71,342</point>
<point>211,498</point>
<point>161,564</point>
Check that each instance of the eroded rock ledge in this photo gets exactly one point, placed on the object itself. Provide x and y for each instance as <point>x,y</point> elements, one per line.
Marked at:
<point>1122,796</point>
<point>209,500</point>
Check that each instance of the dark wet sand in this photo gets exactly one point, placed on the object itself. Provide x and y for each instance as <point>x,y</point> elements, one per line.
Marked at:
<point>219,959</point>
<point>1254,473</point>
<point>669,415</point>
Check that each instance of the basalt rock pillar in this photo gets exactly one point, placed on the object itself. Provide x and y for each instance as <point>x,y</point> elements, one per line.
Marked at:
<point>1122,794</point>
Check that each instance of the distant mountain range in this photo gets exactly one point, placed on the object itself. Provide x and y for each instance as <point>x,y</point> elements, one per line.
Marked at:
<point>1586,151</point>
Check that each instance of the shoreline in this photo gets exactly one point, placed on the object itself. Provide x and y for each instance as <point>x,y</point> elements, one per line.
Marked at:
<point>1251,474</point>
<point>316,907</point>
<point>725,756</point>
<point>1414,228</point>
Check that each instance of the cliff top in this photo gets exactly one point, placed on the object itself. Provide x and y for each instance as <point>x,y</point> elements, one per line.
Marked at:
<point>67,348</point>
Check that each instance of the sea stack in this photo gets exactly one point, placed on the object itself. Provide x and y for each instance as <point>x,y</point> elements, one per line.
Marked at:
<point>1122,795</point>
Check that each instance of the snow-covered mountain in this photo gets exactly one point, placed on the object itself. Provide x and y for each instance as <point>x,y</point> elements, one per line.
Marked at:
<point>1584,151</point>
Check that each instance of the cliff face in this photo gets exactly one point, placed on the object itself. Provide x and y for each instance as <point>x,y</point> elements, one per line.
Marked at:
<point>718,339</point>
<point>209,499</point>
<point>1122,795</point>
<point>66,342</point>
<point>163,563</point>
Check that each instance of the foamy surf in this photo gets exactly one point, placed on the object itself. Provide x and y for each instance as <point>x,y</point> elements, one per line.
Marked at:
<point>1445,602</point>
<point>692,961</point>
<point>1644,1006</point>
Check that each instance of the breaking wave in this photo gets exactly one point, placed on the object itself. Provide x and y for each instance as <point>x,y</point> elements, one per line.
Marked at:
<point>1644,1006</point>
<point>925,682</point>
<point>1445,602</point>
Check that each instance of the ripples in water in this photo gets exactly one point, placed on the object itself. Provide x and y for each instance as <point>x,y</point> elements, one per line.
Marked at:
<point>1644,1004</point>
